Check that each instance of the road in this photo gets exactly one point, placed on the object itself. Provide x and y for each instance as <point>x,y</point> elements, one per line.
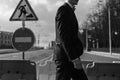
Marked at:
<point>41,54</point>
<point>45,65</point>
<point>29,55</point>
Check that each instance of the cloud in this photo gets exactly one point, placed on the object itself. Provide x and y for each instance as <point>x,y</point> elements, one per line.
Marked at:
<point>6,8</point>
<point>38,2</point>
<point>53,6</point>
<point>5,11</point>
<point>49,4</point>
<point>88,1</point>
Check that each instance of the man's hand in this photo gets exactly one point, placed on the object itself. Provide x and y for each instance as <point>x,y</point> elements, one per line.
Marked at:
<point>77,63</point>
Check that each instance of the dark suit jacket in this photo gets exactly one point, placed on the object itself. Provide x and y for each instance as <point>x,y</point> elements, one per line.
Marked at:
<point>67,34</point>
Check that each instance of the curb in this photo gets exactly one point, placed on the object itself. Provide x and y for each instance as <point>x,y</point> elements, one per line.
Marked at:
<point>105,54</point>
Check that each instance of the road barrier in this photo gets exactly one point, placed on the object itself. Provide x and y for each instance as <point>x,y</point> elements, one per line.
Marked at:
<point>103,71</point>
<point>17,70</point>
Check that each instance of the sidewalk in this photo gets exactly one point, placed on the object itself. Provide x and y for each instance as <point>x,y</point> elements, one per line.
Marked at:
<point>105,54</point>
<point>4,51</point>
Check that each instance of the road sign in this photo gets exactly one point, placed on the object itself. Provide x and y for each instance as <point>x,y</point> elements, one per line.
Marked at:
<point>23,39</point>
<point>23,10</point>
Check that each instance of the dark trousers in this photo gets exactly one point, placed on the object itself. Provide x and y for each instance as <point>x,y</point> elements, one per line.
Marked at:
<point>65,71</point>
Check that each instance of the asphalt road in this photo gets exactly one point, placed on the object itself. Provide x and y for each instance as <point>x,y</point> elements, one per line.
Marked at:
<point>29,55</point>
<point>41,54</point>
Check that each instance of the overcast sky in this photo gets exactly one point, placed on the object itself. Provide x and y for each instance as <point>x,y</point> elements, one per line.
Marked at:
<point>45,11</point>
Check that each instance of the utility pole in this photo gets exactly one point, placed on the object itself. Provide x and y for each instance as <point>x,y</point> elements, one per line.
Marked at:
<point>109,19</point>
<point>38,40</point>
<point>87,38</point>
<point>109,24</point>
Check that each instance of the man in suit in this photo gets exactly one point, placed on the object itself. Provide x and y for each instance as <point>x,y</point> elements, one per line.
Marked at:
<point>68,47</point>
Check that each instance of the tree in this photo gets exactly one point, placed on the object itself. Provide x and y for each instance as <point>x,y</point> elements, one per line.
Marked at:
<point>99,23</point>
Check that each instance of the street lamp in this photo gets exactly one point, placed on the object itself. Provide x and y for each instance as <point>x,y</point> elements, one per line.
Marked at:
<point>109,19</point>
<point>38,40</point>
<point>87,38</point>
<point>109,24</point>
<point>38,35</point>
<point>88,22</point>
<point>97,43</point>
<point>116,33</point>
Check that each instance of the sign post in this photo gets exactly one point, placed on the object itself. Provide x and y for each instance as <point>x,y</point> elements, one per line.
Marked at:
<point>23,38</point>
<point>23,25</point>
<point>23,21</point>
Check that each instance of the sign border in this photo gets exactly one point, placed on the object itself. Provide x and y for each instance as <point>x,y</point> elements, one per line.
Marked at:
<point>36,18</point>
<point>29,47</point>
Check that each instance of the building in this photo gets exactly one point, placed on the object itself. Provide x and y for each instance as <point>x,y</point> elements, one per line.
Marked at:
<point>6,39</point>
<point>52,44</point>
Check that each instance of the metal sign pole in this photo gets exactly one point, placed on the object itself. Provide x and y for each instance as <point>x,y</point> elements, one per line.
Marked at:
<point>23,25</point>
<point>87,39</point>
<point>23,21</point>
<point>23,55</point>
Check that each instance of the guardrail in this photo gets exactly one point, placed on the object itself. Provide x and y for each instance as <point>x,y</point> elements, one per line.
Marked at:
<point>103,71</point>
<point>17,70</point>
<point>26,70</point>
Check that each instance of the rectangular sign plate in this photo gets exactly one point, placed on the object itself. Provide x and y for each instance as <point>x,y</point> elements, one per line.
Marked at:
<point>23,39</point>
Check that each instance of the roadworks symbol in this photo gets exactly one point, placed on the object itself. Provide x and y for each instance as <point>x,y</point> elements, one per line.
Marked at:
<point>23,10</point>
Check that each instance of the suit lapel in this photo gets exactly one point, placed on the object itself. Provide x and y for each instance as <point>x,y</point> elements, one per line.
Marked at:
<point>70,9</point>
<point>67,5</point>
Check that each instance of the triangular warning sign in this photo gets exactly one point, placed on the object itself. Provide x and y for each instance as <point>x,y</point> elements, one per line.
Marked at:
<point>23,10</point>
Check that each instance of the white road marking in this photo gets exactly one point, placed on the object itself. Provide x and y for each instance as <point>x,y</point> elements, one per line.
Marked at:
<point>44,61</point>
